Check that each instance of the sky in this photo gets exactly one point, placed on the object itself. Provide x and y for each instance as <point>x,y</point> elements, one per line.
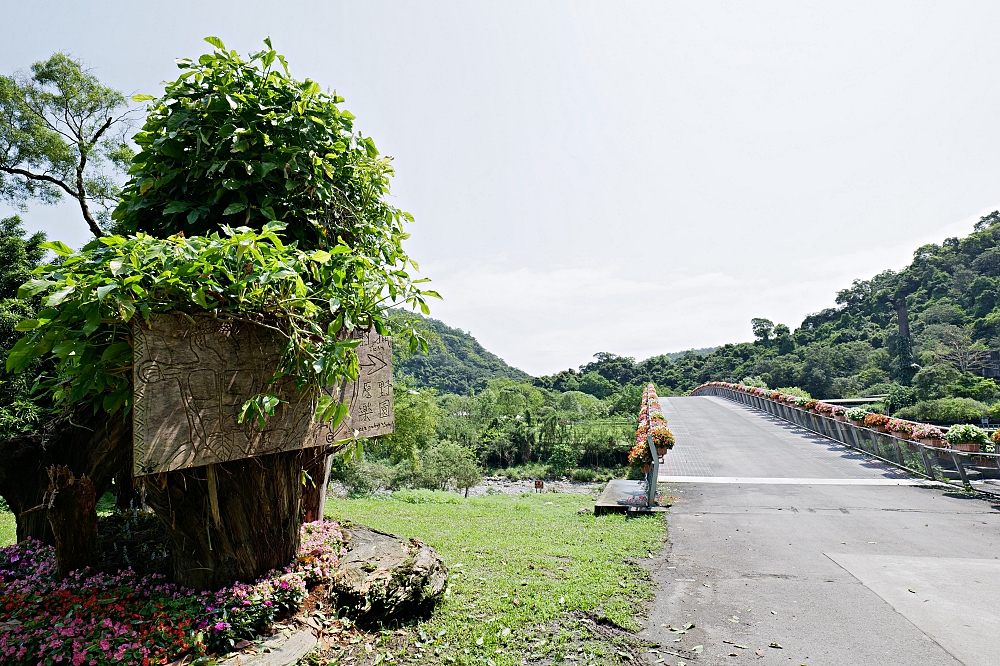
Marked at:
<point>636,178</point>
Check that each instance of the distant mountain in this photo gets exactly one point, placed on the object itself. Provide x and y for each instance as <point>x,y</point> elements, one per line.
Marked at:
<point>455,362</point>
<point>704,351</point>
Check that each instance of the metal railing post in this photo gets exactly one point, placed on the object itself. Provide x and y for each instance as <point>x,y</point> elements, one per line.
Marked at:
<point>961,468</point>
<point>654,472</point>
<point>927,461</point>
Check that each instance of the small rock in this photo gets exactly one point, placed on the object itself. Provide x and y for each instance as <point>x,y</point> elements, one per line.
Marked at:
<point>9,626</point>
<point>583,511</point>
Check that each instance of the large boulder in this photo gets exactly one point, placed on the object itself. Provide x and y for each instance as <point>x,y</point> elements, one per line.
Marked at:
<point>384,578</point>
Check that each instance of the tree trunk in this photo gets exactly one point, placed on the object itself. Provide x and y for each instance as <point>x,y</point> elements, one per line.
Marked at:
<point>902,319</point>
<point>72,513</point>
<point>316,464</point>
<point>97,446</point>
<point>127,496</point>
<point>230,521</point>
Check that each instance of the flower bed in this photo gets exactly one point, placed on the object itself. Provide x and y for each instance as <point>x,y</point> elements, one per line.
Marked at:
<point>96,618</point>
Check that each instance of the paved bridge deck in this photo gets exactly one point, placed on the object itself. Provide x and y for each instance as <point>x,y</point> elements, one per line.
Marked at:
<point>781,536</point>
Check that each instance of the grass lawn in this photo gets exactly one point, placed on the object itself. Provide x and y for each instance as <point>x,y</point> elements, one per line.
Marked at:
<point>7,527</point>
<point>530,577</point>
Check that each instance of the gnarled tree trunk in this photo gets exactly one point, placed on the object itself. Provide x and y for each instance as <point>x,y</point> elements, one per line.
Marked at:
<point>97,446</point>
<point>72,513</point>
<point>230,521</point>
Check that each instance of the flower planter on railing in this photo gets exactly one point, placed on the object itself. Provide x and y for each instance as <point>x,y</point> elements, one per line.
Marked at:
<point>652,433</point>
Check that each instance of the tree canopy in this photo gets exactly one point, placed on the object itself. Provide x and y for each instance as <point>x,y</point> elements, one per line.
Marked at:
<point>62,132</point>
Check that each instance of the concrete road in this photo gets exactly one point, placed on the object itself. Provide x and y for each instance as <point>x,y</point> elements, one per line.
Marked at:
<point>779,537</point>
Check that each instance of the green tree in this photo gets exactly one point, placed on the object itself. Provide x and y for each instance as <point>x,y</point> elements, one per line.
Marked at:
<point>416,415</point>
<point>62,132</point>
<point>317,298</point>
<point>596,385</point>
<point>762,329</point>
<point>931,382</point>
<point>447,463</point>
<point>19,410</point>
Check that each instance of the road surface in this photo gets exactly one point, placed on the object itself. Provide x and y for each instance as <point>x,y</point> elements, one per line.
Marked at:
<point>779,537</point>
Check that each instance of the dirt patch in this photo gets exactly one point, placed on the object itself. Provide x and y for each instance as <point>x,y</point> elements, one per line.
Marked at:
<point>575,638</point>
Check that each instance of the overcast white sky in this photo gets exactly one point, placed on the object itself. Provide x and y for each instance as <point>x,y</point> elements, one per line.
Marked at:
<point>630,177</point>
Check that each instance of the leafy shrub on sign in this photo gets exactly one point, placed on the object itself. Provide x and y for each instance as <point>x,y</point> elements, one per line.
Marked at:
<point>945,410</point>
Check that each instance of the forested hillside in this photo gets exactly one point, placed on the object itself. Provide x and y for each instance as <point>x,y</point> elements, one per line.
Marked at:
<point>454,363</point>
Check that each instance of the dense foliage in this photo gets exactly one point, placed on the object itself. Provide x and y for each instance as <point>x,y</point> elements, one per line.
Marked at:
<point>243,275</point>
<point>243,142</point>
<point>319,257</point>
<point>20,411</point>
<point>508,424</point>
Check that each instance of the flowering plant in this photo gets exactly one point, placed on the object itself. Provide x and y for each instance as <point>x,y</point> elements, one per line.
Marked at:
<point>662,438</point>
<point>97,618</point>
<point>899,426</point>
<point>964,432</point>
<point>639,455</point>
<point>802,402</point>
<point>926,431</point>
<point>876,420</point>
<point>837,410</point>
<point>856,413</point>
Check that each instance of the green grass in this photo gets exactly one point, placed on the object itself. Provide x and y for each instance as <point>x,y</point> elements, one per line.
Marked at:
<point>517,563</point>
<point>8,530</point>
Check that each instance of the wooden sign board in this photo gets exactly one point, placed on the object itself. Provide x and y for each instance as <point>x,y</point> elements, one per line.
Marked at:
<point>369,399</point>
<point>192,378</point>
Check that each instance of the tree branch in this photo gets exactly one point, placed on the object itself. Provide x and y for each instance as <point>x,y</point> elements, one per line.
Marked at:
<point>43,177</point>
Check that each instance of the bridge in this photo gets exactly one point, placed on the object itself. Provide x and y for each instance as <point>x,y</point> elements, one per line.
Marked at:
<point>787,547</point>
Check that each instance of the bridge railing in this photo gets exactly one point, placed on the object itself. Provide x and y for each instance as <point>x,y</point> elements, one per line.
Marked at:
<point>915,457</point>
